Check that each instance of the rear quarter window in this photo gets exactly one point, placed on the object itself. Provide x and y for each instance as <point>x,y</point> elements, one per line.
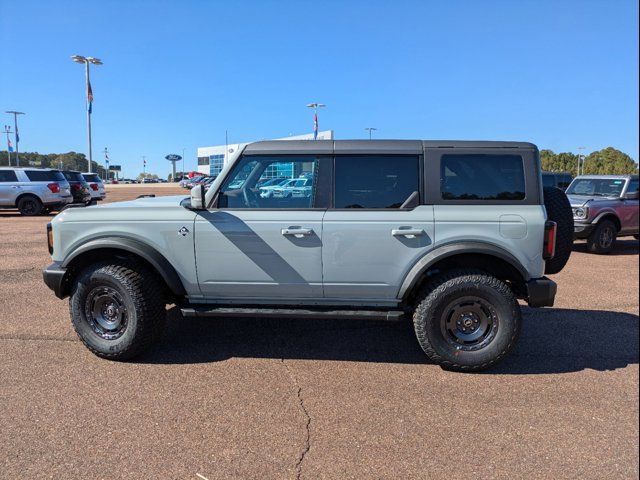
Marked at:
<point>45,175</point>
<point>482,177</point>
<point>92,177</point>
<point>8,176</point>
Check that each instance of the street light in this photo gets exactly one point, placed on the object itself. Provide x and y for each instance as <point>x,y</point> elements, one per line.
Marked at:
<point>87,61</point>
<point>370,129</point>
<point>15,132</point>
<point>580,160</point>
<point>315,107</point>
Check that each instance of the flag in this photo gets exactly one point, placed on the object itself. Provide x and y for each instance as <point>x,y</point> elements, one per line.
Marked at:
<point>315,126</point>
<point>9,146</point>
<point>17,135</point>
<point>89,96</point>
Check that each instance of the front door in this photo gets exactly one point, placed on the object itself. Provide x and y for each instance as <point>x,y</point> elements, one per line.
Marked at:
<point>377,229</point>
<point>263,239</point>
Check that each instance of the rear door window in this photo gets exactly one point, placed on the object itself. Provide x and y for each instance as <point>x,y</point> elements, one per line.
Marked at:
<point>45,175</point>
<point>375,181</point>
<point>482,177</point>
<point>8,176</point>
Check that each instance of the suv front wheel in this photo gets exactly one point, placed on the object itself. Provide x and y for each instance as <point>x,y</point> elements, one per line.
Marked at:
<point>117,309</point>
<point>467,320</point>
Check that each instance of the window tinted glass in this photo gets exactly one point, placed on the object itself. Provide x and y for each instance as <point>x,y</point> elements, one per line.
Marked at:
<point>375,181</point>
<point>270,182</point>
<point>8,176</point>
<point>45,176</point>
<point>564,181</point>
<point>596,187</point>
<point>92,177</point>
<point>482,177</point>
<point>548,180</point>
<point>633,186</point>
<point>73,176</point>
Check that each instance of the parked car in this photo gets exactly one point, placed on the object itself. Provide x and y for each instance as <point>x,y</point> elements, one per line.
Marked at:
<point>295,187</point>
<point>96,187</point>
<point>605,207</point>
<point>79,187</point>
<point>451,234</point>
<point>33,191</point>
<point>559,180</point>
<point>267,188</point>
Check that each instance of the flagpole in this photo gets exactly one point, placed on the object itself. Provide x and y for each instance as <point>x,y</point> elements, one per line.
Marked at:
<point>16,134</point>
<point>7,130</point>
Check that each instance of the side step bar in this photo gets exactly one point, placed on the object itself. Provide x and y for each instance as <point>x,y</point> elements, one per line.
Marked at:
<point>209,311</point>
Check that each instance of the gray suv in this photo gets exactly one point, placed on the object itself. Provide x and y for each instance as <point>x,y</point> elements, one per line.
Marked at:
<point>450,234</point>
<point>33,191</point>
<point>604,207</point>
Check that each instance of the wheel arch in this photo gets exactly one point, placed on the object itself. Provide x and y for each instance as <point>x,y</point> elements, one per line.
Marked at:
<point>110,247</point>
<point>488,257</point>
<point>28,194</point>
<point>609,215</point>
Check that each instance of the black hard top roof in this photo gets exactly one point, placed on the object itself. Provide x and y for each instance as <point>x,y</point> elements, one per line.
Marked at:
<point>372,146</point>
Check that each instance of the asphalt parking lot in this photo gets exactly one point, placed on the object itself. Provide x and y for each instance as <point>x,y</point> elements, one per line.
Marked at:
<point>317,398</point>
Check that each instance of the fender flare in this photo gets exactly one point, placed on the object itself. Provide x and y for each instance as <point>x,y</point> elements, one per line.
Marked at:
<point>604,213</point>
<point>451,249</point>
<point>148,253</point>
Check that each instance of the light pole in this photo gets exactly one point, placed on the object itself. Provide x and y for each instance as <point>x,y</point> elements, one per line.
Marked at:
<point>15,132</point>
<point>7,130</point>
<point>315,107</point>
<point>87,61</point>
<point>580,161</point>
<point>370,129</point>
<point>183,162</point>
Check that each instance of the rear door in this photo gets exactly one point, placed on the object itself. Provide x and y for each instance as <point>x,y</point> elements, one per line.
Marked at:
<point>629,210</point>
<point>377,227</point>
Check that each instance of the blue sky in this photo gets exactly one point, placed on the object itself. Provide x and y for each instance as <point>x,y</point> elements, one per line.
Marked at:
<point>177,74</point>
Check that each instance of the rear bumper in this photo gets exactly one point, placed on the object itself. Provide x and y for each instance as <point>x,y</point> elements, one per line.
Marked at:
<point>541,292</point>
<point>54,278</point>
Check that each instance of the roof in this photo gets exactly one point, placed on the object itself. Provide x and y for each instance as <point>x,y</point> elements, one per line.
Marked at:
<point>608,176</point>
<point>28,168</point>
<point>371,146</point>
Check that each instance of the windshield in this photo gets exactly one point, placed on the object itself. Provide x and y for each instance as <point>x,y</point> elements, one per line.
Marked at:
<point>596,187</point>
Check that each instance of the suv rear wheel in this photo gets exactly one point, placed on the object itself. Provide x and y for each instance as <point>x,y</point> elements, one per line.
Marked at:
<point>467,320</point>
<point>117,309</point>
<point>603,238</point>
<point>29,205</point>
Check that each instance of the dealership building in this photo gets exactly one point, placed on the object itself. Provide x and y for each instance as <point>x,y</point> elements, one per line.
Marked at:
<point>211,160</point>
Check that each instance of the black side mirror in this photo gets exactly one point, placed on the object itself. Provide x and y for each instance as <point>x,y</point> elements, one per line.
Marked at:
<point>632,195</point>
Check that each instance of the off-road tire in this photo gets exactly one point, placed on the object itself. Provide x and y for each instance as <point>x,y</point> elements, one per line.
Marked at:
<point>595,242</point>
<point>142,295</point>
<point>559,210</point>
<point>30,206</point>
<point>457,284</point>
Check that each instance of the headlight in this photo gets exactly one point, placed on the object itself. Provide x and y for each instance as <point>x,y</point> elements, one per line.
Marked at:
<point>581,212</point>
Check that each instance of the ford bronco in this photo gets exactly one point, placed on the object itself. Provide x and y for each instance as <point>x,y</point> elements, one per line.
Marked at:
<point>450,234</point>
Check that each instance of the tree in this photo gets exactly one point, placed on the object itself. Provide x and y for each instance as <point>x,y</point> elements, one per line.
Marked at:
<point>559,162</point>
<point>609,161</point>
<point>147,175</point>
<point>62,161</point>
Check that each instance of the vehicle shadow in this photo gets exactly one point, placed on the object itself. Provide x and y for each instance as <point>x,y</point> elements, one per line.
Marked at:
<point>552,341</point>
<point>623,247</point>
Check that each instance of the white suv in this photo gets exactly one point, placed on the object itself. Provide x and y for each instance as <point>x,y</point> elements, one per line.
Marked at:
<point>33,191</point>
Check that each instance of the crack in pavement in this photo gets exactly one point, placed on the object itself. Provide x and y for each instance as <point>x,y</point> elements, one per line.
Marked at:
<point>303,409</point>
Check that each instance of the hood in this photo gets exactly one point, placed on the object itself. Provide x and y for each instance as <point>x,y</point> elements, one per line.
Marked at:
<point>579,200</point>
<point>147,202</point>
<point>140,209</point>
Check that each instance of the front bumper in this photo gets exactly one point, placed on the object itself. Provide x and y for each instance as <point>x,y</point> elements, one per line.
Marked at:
<point>54,278</point>
<point>582,230</point>
<point>541,292</point>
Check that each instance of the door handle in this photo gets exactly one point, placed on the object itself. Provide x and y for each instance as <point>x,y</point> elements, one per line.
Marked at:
<point>297,232</point>
<point>407,232</point>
